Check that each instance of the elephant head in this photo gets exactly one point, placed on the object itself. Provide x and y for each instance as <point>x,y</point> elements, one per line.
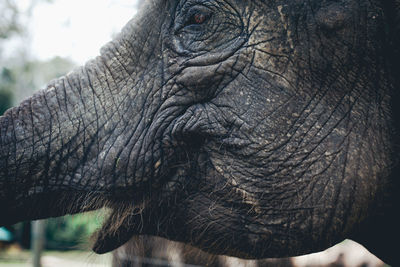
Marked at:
<point>247,128</point>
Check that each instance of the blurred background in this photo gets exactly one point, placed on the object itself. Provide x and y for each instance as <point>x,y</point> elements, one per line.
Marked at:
<point>44,39</point>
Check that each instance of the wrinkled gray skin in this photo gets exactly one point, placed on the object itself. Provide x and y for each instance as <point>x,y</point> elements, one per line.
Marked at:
<point>248,128</point>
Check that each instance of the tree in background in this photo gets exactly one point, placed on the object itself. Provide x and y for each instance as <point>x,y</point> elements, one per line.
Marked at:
<point>8,19</point>
<point>8,26</point>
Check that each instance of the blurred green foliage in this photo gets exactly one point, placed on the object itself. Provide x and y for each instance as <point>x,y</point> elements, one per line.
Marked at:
<point>6,95</point>
<point>7,80</point>
<point>72,231</point>
<point>32,76</point>
<point>5,101</point>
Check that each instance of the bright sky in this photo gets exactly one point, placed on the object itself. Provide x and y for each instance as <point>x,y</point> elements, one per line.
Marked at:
<point>77,28</point>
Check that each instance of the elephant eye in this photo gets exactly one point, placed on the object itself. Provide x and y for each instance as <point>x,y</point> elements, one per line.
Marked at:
<point>197,17</point>
<point>204,25</point>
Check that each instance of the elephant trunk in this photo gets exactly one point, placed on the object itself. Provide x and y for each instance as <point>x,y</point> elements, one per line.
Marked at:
<point>48,146</point>
<point>84,138</point>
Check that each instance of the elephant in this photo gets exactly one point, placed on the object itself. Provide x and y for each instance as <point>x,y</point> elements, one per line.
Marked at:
<point>155,251</point>
<point>255,129</point>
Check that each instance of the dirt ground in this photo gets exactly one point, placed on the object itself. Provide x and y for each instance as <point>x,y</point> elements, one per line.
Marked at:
<point>56,259</point>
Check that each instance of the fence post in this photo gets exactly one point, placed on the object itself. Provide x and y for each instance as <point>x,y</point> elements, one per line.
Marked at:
<point>37,243</point>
